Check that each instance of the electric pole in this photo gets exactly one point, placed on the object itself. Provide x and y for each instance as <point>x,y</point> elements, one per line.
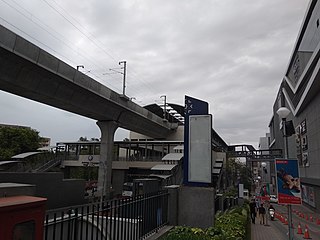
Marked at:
<point>124,76</point>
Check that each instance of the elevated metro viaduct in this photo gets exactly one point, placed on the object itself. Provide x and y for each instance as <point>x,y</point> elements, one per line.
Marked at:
<point>30,72</point>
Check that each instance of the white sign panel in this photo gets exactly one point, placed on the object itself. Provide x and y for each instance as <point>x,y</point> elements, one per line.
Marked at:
<point>200,148</point>
<point>241,190</point>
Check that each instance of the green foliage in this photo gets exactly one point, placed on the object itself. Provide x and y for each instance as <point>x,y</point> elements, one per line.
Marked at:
<point>231,192</point>
<point>238,172</point>
<point>231,225</point>
<point>187,233</point>
<point>17,140</point>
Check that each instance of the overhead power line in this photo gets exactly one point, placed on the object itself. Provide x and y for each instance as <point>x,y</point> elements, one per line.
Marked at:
<point>59,37</point>
<point>86,35</point>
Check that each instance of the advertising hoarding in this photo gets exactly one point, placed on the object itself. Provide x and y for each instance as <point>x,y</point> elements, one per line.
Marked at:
<point>193,107</point>
<point>241,188</point>
<point>308,195</point>
<point>288,181</point>
<point>200,163</point>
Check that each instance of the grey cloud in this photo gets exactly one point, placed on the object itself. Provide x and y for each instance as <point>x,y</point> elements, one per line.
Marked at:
<point>228,53</point>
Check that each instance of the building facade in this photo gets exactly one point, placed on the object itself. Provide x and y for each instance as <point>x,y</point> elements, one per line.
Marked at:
<point>300,93</point>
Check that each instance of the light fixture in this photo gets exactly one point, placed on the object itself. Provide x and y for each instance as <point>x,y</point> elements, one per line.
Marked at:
<point>283,112</point>
<point>79,66</point>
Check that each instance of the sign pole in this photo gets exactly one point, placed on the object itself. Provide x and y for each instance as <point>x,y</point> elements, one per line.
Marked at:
<point>289,189</point>
<point>286,153</point>
<point>290,222</point>
<point>267,215</point>
<point>290,192</point>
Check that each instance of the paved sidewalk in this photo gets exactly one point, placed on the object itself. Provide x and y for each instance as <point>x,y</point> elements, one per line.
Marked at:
<point>275,230</point>
<point>262,232</point>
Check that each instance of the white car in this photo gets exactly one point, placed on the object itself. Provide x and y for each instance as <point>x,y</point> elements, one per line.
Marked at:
<point>273,199</point>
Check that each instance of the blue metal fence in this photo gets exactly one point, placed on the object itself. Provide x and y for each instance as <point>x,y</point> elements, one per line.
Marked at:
<point>118,219</point>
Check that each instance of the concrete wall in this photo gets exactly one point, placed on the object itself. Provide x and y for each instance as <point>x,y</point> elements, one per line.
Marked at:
<point>118,178</point>
<point>173,204</point>
<point>195,206</point>
<point>59,192</point>
<point>16,189</point>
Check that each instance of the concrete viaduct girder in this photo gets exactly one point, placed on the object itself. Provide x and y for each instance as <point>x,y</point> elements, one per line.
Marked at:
<point>30,72</point>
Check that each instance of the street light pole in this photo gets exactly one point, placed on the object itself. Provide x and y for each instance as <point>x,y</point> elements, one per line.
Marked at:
<point>264,188</point>
<point>283,113</point>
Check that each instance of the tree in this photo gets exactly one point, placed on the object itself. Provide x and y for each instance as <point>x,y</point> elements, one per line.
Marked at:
<point>15,140</point>
<point>237,172</point>
<point>83,139</point>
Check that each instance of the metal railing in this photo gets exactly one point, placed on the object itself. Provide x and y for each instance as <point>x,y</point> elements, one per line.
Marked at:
<point>119,219</point>
<point>223,203</point>
<point>48,165</point>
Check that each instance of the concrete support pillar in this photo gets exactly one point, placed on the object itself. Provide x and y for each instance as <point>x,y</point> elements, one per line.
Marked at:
<point>107,129</point>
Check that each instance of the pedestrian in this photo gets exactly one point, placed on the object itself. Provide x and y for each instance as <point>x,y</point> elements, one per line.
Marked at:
<point>262,214</point>
<point>253,210</point>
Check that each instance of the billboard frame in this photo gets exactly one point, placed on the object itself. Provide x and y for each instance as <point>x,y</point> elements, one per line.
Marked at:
<point>288,181</point>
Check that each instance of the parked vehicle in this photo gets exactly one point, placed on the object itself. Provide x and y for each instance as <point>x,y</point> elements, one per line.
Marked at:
<point>273,199</point>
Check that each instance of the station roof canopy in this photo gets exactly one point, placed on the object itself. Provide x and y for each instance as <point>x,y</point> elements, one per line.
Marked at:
<point>216,171</point>
<point>173,157</point>
<point>24,155</point>
<point>160,176</point>
<point>8,162</point>
<point>48,148</point>
<point>164,167</point>
<point>179,147</point>
<point>174,112</point>
<point>218,165</point>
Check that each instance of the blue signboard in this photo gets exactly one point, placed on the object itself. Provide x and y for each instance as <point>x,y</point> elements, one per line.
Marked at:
<point>288,181</point>
<point>193,106</point>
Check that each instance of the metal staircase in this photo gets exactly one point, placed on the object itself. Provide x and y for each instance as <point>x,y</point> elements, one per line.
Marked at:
<point>48,165</point>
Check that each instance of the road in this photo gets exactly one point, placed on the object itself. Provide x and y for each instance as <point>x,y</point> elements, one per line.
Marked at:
<point>300,215</point>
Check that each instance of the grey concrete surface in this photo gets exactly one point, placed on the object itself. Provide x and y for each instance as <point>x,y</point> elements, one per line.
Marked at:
<point>59,192</point>
<point>17,189</point>
<point>196,206</point>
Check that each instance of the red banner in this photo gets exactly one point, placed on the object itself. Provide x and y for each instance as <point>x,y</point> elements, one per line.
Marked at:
<point>285,199</point>
<point>263,198</point>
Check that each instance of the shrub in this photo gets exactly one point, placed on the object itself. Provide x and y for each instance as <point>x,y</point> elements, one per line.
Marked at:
<point>187,233</point>
<point>231,225</point>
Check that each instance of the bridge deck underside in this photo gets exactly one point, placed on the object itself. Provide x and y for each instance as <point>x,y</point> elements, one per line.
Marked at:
<point>30,72</point>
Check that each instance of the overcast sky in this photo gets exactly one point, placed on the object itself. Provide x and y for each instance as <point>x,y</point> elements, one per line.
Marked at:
<point>231,53</point>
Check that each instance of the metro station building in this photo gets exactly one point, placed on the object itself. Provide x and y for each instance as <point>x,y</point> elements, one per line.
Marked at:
<point>300,92</point>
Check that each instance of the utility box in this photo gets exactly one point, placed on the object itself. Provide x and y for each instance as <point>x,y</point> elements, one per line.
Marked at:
<point>22,217</point>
